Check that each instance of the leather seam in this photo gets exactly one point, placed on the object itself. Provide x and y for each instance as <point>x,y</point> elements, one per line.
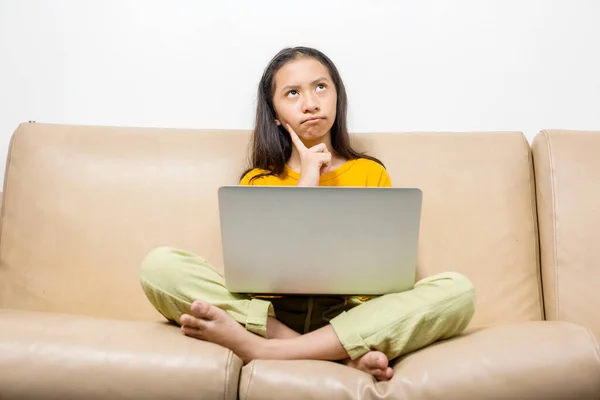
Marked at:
<point>536,228</point>
<point>249,380</point>
<point>227,365</point>
<point>554,236</point>
<point>595,344</point>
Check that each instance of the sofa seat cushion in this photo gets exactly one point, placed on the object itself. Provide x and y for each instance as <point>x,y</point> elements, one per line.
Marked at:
<point>541,360</point>
<point>45,355</point>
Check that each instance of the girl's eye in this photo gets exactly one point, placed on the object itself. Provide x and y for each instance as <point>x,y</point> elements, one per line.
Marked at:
<point>320,86</point>
<point>292,92</point>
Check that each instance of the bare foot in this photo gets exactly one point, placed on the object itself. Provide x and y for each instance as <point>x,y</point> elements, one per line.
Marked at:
<point>374,363</point>
<point>212,324</point>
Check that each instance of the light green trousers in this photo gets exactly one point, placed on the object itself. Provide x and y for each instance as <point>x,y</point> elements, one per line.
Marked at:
<point>438,307</point>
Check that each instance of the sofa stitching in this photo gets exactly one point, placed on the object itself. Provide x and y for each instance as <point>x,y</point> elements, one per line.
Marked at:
<point>553,215</point>
<point>227,365</point>
<point>250,380</point>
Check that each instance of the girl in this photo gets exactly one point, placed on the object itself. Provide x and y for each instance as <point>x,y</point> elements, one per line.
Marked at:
<point>301,139</point>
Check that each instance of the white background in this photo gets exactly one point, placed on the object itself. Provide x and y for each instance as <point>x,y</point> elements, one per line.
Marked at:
<point>417,65</point>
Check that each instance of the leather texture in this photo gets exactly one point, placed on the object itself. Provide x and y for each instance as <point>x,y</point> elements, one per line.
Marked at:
<point>530,360</point>
<point>478,213</point>
<point>60,356</point>
<point>83,206</point>
<point>567,169</point>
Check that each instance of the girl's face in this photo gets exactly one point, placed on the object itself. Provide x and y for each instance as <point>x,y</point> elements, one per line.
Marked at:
<point>305,98</point>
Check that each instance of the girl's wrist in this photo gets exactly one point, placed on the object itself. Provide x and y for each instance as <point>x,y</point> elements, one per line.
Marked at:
<point>307,181</point>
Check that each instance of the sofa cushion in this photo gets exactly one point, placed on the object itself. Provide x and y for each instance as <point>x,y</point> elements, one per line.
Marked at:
<point>531,360</point>
<point>478,213</point>
<point>567,168</point>
<point>84,204</point>
<point>58,356</point>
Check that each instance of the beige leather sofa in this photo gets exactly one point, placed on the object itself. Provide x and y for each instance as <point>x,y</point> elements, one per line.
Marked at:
<point>82,205</point>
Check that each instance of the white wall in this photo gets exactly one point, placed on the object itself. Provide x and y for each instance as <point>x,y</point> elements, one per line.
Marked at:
<point>408,65</point>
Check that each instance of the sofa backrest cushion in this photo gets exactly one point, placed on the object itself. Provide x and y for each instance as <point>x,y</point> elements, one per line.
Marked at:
<point>83,205</point>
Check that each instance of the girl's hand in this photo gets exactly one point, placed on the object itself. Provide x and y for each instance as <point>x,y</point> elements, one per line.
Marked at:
<point>314,161</point>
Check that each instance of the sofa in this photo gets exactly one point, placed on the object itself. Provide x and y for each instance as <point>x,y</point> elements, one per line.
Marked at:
<point>82,206</point>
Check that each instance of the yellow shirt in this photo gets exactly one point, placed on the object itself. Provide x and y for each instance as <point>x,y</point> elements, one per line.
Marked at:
<point>359,172</point>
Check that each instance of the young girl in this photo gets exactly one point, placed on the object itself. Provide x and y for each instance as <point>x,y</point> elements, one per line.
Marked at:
<point>301,139</point>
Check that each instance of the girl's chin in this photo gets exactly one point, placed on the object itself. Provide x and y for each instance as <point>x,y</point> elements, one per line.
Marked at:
<point>313,134</point>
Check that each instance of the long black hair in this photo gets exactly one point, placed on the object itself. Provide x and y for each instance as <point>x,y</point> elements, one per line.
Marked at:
<point>271,144</point>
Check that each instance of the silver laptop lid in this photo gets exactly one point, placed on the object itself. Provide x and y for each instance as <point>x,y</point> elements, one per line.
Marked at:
<point>319,240</point>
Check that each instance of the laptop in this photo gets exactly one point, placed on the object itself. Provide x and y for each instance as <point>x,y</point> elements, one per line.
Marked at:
<point>319,240</point>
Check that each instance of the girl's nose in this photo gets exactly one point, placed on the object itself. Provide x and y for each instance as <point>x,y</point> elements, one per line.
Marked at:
<point>311,103</point>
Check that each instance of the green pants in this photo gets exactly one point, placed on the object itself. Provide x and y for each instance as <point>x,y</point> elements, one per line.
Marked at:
<point>438,307</point>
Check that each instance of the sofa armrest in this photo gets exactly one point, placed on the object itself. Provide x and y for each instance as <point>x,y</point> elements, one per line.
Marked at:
<point>567,191</point>
<point>45,355</point>
<point>537,360</point>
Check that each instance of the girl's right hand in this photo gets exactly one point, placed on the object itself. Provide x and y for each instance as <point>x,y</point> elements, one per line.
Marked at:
<point>314,161</point>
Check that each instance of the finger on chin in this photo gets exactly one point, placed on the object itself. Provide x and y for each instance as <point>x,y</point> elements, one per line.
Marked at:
<point>295,139</point>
